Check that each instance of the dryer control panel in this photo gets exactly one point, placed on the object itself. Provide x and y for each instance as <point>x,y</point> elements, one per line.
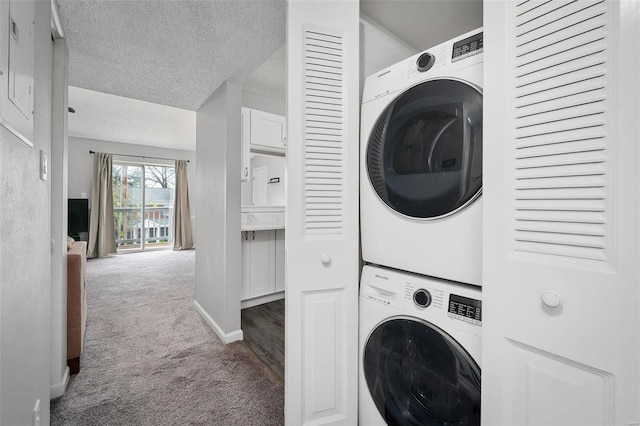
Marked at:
<point>465,309</point>
<point>468,47</point>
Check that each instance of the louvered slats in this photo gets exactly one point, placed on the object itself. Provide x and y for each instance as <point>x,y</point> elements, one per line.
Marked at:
<point>560,128</point>
<point>324,133</point>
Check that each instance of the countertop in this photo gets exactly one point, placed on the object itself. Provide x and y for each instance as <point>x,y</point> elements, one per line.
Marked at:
<point>260,227</point>
<point>260,209</point>
<point>263,218</point>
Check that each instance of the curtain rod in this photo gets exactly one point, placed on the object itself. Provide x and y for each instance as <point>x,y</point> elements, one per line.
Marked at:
<point>139,156</point>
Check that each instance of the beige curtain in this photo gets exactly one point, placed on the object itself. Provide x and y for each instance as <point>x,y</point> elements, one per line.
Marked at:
<point>102,237</point>
<point>182,238</point>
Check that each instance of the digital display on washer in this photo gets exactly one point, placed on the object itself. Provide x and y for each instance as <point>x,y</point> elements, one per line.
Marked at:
<point>465,308</point>
<point>468,47</point>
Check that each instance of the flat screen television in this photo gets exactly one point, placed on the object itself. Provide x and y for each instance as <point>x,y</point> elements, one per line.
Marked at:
<point>78,216</point>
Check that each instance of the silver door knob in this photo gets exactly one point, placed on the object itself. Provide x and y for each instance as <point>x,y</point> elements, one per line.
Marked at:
<point>325,259</point>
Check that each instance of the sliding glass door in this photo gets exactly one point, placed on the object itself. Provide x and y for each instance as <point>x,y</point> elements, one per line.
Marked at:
<point>143,205</point>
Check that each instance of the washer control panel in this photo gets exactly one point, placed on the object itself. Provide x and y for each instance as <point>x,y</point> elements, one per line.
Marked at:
<point>440,302</point>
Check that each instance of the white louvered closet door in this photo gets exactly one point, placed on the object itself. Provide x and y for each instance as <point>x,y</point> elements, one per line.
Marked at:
<point>561,326</point>
<point>322,262</point>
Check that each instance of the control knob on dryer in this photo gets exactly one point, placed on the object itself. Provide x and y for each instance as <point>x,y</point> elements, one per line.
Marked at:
<point>425,62</point>
<point>422,298</point>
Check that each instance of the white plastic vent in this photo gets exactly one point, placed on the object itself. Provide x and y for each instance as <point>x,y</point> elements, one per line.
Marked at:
<point>324,132</point>
<point>560,128</point>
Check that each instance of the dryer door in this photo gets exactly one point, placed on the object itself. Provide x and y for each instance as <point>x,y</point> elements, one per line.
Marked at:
<point>424,156</point>
<point>418,375</point>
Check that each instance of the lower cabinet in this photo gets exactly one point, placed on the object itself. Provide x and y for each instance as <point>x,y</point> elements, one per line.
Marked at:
<point>280,261</point>
<point>262,266</point>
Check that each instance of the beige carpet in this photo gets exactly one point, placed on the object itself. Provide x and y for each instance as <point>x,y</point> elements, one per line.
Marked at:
<point>149,359</point>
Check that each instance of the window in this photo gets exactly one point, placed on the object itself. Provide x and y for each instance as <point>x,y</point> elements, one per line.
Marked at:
<point>143,205</point>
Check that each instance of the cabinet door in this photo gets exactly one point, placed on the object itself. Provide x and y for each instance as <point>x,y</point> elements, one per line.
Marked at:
<point>17,60</point>
<point>245,133</point>
<point>267,129</point>
<point>262,263</point>
<point>246,262</point>
<point>280,259</point>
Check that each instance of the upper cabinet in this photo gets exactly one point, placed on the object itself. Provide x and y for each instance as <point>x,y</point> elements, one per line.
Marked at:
<point>17,68</point>
<point>267,132</point>
<point>261,132</point>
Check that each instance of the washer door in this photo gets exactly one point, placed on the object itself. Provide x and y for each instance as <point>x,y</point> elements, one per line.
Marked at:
<point>424,156</point>
<point>418,375</point>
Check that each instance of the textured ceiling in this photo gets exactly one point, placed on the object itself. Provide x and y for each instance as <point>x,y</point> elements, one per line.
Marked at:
<point>170,52</point>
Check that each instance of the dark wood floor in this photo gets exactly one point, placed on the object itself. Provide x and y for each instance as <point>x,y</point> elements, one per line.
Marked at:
<point>263,329</point>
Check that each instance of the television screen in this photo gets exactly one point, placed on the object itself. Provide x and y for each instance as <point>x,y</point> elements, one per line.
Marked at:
<point>78,216</point>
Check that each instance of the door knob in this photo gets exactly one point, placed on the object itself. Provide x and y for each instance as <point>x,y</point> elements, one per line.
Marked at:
<point>325,259</point>
<point>551,299</point>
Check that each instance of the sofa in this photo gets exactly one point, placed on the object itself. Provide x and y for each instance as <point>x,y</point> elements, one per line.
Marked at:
<point>76,302</point>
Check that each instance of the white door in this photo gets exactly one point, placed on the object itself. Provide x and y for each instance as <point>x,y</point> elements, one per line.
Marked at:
<point>561,212</point>
<point>17,61</point>
<point>259,186</point>
<point>321,329</point>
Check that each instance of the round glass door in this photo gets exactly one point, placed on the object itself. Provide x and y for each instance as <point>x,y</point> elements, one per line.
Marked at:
<point>424,156</point>
<point>418,375</point>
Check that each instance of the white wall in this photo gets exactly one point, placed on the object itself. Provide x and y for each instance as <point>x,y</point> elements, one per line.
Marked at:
<point>25,252</point>
<point>219,253</point>
<point>58,170</point>
<point>262,103</point>
<point>81,165</point>
<point>379,48</point>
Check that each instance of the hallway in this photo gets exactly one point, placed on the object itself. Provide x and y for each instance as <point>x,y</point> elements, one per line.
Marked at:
<point>149,359</point>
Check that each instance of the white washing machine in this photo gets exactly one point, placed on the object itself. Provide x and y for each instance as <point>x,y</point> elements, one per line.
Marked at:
<point>420,348</point>
<point>421,163</point>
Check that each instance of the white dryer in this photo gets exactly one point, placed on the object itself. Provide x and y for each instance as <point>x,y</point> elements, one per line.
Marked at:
<point>420,348</point>
<point>421,163</point>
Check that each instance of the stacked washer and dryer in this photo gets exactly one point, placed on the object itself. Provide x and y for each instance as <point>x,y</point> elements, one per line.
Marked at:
<point>421,227</point>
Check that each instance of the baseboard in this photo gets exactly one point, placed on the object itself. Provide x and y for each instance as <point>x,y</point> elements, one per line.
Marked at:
<point>58,389</point>
<point>225,337</point>
<point>250,303</point>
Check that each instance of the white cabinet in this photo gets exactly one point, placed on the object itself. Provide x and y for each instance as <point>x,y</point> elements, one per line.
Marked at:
<point>262,266</point>
<point>267,130</point>
<point>280,260</point>
<point>17,67</point>
<point>261,132</point>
